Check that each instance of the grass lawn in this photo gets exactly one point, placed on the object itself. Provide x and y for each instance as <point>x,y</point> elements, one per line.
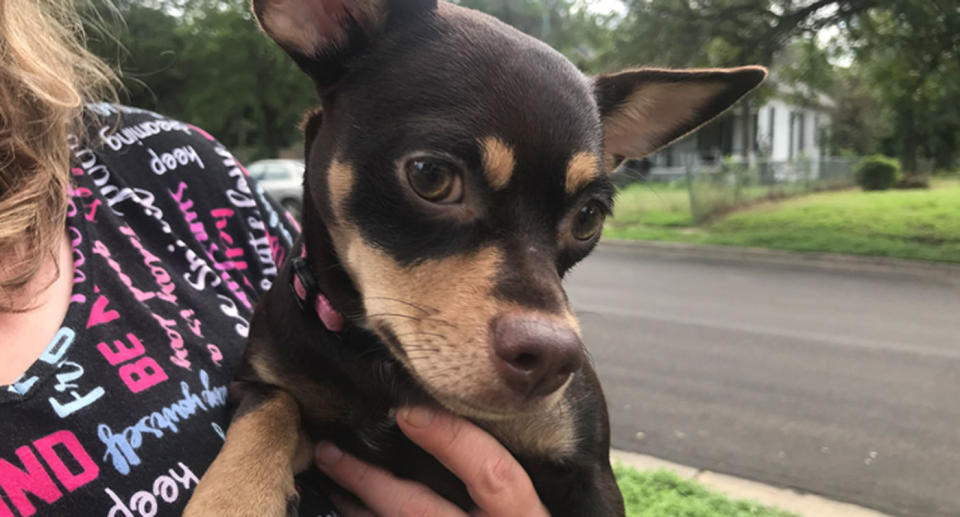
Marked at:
<point>664,494</point>
<point>916,224</point>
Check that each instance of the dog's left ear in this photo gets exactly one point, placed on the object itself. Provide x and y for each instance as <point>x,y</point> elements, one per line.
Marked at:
<point>325,36</point>
<point>644,110</point>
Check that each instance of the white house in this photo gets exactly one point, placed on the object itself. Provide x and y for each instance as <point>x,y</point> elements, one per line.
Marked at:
<point>787,136</point>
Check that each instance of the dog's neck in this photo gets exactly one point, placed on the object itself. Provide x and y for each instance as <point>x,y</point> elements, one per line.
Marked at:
<point>324,263</point>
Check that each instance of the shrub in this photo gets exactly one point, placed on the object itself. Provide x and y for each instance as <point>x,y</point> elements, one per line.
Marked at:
<point>878,172</point>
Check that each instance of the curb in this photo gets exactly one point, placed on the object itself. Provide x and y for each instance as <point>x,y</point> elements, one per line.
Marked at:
<point>806,505</point>
<point>836,262</point>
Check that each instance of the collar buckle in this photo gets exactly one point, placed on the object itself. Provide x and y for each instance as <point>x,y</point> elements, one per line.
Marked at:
<point>302,284</point>
<point>310,299</point>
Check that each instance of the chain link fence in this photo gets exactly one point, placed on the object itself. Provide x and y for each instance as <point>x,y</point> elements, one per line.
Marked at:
<point>718,189</point>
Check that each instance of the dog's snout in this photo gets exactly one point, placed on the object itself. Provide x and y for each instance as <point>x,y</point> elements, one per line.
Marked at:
<point>535,356</point>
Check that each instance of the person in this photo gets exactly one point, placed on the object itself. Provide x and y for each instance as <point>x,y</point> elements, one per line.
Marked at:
<point>133,249</point>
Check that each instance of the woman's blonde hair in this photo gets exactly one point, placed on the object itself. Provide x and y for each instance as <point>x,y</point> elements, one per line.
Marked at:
<point>46,76</point>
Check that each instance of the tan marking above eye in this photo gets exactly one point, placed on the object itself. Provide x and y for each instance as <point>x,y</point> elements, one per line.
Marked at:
<point>498,162</point>
<point>583,168</point>
<point>339,183</point>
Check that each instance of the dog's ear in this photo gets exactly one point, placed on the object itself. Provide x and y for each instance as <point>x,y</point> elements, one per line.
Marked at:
<point>643,110</point>
<point>323,36</point>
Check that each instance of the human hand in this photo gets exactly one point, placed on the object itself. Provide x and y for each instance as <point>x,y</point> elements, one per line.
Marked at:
<point>495,480</point>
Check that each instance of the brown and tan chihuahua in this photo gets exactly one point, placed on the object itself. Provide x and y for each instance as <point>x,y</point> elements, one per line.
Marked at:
<point>456,171</point>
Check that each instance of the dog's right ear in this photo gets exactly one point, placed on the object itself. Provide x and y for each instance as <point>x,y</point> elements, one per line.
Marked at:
<point>323,36</point>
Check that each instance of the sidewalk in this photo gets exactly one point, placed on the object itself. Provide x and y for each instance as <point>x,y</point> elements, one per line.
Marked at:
<point>806,505</point>
<point>911,269</point>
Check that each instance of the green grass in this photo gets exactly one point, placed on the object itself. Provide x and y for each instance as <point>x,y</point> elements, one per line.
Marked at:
<point>664,494</point>
<point>916,224</point>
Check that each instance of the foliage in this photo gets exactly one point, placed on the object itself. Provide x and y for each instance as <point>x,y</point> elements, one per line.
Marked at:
<point>909,53</point>
<point>901,95</point>
<point>724,32</point>
<point>664,494</point>
<point>878,172</point>
<point>860,120</point>
<point>204,61</point>
<point>566,25</point>
<point>914,224</point>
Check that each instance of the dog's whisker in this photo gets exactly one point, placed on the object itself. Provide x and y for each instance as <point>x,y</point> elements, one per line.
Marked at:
<point>394,315</point>
<point>426,309</point>
<point>413,318</point>
<point>430,334</point>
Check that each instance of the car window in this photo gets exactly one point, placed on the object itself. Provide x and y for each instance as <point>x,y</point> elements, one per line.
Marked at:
<point>272,171</point>
<point>256,171</point>
<point>275,172</point>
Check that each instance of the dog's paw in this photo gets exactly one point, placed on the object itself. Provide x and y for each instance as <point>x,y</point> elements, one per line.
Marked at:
<point>246,489</point>
<point>229,501</point>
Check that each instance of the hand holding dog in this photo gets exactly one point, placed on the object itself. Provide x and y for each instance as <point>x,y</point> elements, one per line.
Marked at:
<point>495,480</point>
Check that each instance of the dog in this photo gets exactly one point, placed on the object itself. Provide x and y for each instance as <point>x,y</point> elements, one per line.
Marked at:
<point>456,171</point>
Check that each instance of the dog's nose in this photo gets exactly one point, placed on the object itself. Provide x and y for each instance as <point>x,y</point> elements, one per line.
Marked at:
<point>536,355</point>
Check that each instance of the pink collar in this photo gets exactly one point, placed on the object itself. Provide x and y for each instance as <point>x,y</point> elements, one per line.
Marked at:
<point>304,286</point>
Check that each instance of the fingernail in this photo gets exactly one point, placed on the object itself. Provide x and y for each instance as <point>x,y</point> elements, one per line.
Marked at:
<point>418,416</point>
<point>328,454</point>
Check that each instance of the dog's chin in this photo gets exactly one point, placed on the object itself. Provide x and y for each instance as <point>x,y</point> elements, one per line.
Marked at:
<point>483,410</point>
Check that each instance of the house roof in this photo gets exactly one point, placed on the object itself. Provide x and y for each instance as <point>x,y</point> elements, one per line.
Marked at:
<point>789,92</point>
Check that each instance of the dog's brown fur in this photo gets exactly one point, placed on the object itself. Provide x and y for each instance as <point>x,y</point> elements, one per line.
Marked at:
<point>426,285</point>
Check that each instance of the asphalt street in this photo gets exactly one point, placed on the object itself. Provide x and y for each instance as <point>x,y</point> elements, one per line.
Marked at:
<point>837,383</point>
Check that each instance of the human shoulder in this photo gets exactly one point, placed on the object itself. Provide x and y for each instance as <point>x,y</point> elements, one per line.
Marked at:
<point>139,161</point>
<point>133,148</point>
<point>160,144</point>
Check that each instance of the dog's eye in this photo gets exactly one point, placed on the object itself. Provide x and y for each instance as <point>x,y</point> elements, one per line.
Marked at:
<point>435,180</point>
<point>588,222</point>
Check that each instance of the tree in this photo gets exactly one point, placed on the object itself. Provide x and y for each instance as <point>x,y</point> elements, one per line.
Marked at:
<point>241,84</point>
<point>204,61</point>
<point>861,121</point>
<point>711,33</point>
<point>143,48</point>
<point>910,53</point>
<point>566,25</point>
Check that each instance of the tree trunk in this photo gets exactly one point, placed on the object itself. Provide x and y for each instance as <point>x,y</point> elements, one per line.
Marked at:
<point>910,145</point>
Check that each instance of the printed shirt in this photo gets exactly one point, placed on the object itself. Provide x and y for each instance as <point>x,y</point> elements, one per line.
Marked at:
<point>127,406</point>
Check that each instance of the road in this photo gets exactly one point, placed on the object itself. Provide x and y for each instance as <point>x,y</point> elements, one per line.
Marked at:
<point>842,384</point>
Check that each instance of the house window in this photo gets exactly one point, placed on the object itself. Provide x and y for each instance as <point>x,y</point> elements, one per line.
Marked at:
<point>816,131</point>
<point>802,140</point>
<point>771,125</point>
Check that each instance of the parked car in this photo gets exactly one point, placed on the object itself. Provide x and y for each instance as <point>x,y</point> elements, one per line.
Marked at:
<point>283,180</point>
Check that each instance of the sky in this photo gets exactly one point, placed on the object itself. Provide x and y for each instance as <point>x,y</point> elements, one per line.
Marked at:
<point>605,6</point>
